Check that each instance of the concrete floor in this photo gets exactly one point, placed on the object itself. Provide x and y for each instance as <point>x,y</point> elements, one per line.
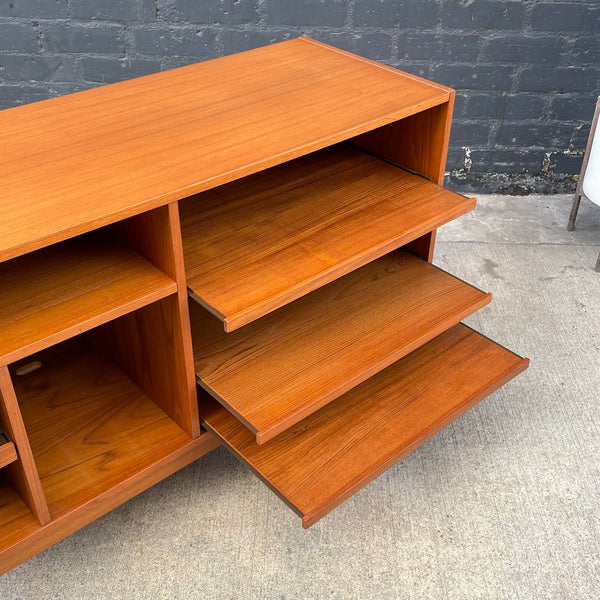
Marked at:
<point>505,503</point>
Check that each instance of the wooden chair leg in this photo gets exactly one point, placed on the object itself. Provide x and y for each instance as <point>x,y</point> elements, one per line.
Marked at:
<point>574,209</point>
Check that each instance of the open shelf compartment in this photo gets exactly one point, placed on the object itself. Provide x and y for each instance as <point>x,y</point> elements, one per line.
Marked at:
<point>16,520</point>
<point>89,425</point>
<point>279,369</point>
<point>52,294</point>
<point>324,459</point>
<point>15,516</point>
<point>21,511</point>
<point>96,377</point>
<point>255,244</point>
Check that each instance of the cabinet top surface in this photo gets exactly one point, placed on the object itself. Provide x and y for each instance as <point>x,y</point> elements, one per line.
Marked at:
<point>81,161</point>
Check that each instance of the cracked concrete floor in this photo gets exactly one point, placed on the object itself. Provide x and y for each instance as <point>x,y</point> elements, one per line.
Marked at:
<point>504,503</point>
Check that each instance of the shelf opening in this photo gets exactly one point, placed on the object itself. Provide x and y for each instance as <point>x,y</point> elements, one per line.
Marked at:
<point>276,371</point>
<point>54,293</point>
<point>16,520</point>
<point>89,424</point>
<point>16,515</point>
<point>257,244</point>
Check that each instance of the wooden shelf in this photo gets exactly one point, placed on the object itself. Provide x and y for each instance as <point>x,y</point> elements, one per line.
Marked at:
<point>253,245</point>
<point>278,370</point>
<point>8,452</point>
<point>55,293</point>
<point>90,427</point>
<point>323,460</point>
<point>16,520</point>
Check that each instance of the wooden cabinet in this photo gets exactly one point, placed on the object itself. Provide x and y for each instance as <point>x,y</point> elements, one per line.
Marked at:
<point>233,252</point>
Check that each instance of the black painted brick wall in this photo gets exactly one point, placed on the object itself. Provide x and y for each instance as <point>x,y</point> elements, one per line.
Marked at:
<point>527,72</point>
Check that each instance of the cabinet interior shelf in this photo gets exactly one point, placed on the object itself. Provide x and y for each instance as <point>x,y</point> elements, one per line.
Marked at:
<point>324,459</point>
<point>253,245</point>
<point>277,370</point>
<point>90,427</point>
<point>57,292</point>
<point>8,452</point>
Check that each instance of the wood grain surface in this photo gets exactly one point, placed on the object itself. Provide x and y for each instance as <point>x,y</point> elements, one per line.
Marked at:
<point>21,537</point>
<point>111,412</point>
<point>16,520</point>
<point>154,346</point>
<point>8,453</point>
<point>90,427</point>
<point>256,244</point>
<point>147,347</point>
<point>22,474</point>
<point>277,370</point>
<point>418,143</point>
<point>80,161</point>
<point>60,291</point>
<point>323,460</point>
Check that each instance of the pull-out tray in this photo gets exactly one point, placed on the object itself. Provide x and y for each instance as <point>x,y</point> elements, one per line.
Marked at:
<point>278,370</point>
<point>323,460</point>
<point>256,244</point>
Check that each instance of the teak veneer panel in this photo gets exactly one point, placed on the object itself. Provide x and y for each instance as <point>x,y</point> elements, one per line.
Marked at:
<point>90,427</point>
<point>255,244</point>
<point>60,291</point>
<point>323,460</point>
<point>75,163</point>
<point>279,369</point>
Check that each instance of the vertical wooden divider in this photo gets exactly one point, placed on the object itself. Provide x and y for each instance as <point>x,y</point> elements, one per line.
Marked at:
<point>420,144</point>
<point>23,472</point>
<point>153,345</point>
<point>184,314</point>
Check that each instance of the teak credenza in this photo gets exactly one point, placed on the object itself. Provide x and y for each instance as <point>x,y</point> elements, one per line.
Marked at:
<point>244,244</point>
